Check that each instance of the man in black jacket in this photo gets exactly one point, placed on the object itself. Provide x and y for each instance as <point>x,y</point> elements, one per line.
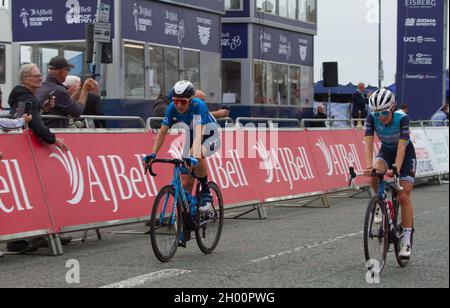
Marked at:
<point>58,70</point>
<point>22,100</point>
<point>360,102</point>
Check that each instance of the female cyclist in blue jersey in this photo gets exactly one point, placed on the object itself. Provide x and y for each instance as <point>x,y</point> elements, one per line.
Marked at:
<point>202,130</point>
<point>392,128</point>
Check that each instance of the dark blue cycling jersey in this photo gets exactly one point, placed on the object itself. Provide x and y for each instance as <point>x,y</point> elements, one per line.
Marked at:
<point>197,107</point>
<point>391,134</point>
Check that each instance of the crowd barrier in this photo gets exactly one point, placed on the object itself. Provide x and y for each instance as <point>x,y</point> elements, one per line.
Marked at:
<point>100,182</point>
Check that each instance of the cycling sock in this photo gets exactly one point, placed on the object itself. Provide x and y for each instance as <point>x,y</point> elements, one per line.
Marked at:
<point>205,187</point>
<point>407,236</point>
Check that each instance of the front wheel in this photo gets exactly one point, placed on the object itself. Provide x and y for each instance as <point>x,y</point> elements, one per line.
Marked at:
<point>210,225</point>
<point>166,224</point>
<point>376,235</point>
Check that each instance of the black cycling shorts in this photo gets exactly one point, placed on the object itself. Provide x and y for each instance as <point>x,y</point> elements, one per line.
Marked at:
<point>409,167</point>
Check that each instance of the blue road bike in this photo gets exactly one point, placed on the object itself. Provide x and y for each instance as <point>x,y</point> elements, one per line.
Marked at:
<point>174,217</point>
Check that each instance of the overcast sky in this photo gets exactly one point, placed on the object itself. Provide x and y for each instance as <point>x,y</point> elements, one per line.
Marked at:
<point>348,34</point>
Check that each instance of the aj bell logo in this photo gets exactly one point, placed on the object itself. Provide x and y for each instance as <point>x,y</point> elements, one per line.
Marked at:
<point>73,170</point>
<point>107,178</point>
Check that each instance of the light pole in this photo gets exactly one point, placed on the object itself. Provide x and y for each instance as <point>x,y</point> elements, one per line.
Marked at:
<point>380,60</point>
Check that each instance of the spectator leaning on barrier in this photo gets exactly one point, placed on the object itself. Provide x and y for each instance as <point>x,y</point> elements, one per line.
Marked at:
<point>360,103</point>
<point>321,114</point>
<point>219,114</point>
<point>442,115</point>
<point>22,98</point>
<point>66,105</point>
<point>159,110</point>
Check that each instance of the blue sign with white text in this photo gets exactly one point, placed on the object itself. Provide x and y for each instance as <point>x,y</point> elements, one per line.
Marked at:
<point>49,20</point>
<point>272,44</point>
<point>211,5</point>
<point>156,22</point>
<point>420,56</point>
<point>234,41</point>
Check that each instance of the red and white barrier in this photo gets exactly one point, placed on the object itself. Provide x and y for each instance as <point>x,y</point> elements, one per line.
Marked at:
<point>101,181</point>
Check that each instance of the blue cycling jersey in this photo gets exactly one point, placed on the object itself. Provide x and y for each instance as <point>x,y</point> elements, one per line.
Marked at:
<point>390,135</point>
<point>197,109</point>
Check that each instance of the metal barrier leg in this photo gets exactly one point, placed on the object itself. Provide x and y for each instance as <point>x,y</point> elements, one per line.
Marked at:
<point>52,245</point>
<point>59,247</point>
<point>262,211</point>
<point>325,200</point>
<point>99,234</point>
<point>86,235</point>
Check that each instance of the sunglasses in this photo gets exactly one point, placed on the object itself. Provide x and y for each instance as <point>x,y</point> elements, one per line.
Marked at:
<point>383,114</point>
<point>180,102</point>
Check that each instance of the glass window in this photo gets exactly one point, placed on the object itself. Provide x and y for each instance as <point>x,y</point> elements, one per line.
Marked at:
<point>271,77</point>
<point>2,64</point>
<point>292,9</point>
<point>233,5</point>
<point>283,8</point>
<point>307,87</point>
<point>282,84</point>
<point>302,10</point>
<point>231,81</point>
<point>134,71</point>
<point>171,68</point>
<point>311,11</point>
<point>192,67</point>
<point>259,83</point>
<point>25,54</point>
<point>46,55</point>
<point>294,82</point>
<point>267,6</point>
<point>156,73</point>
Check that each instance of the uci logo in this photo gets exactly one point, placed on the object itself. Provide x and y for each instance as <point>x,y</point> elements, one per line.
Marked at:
<point>410,39</point>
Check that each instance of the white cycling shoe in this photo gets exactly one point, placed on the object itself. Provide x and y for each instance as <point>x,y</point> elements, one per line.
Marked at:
<point>405,252</point>
<point>206,209</point>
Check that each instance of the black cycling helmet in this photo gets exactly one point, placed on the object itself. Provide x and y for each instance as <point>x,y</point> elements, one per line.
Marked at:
<point>183,89</point>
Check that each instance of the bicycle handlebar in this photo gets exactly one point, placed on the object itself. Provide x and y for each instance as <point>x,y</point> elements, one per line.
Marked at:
<point>354,175</point>
<point>188,161</point>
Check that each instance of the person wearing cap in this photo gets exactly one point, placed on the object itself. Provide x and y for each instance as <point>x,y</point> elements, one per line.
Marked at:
<point>66,105</point>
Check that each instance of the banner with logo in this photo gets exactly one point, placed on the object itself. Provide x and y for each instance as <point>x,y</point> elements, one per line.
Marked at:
<point>426,162</point>
<point>217,6</point>
<point>101,179</point>
<point>234,41</point>
<point>272,44</point>
<point>420,56</point>
<point>50,20</point>
<point>437,138</point>
<point>22,203</point>
<point>160,23</point>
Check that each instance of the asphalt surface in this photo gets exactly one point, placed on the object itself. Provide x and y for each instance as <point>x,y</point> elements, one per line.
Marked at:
<point>295,247</point>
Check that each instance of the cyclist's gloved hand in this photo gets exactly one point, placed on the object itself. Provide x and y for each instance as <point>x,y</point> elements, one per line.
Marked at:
<point>148,160</point>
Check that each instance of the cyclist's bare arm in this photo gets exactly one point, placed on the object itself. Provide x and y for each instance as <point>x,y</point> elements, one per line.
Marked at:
<point>220,114</point>
<point>401,152</point>
<point>160,139</point>
<point>369,151</point>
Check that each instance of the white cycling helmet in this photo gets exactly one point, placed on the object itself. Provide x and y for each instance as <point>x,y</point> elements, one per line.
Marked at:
<point>382,100</point>
<point>183,89</point>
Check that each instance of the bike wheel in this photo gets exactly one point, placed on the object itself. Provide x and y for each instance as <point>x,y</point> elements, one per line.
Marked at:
<point>209,227</point>
<point>166,224</point>
<point>376,235</point>
<point>398,241</point>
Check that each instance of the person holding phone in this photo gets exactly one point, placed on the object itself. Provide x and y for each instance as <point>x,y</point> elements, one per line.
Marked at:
<point>22,101</point>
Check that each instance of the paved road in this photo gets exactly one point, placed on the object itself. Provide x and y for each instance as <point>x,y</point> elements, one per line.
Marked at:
<point>295,247</point>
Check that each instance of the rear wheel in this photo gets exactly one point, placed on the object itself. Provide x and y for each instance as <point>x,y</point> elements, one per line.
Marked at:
<point>376,235</point>
<point>210,225</point>
<point>166,224</point>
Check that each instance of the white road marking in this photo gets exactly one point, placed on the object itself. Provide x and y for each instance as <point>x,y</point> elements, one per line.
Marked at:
<point>151,277</point>
<point>333,240</point>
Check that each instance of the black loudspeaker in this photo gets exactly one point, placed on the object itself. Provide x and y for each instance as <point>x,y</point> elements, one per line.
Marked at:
<point>107,48</point>
<point>330,74</point>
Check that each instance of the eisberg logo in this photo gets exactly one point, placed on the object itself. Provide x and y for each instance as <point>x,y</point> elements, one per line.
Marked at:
<point>204,33</point>
<point>303,52</point>
<point>421,4</point>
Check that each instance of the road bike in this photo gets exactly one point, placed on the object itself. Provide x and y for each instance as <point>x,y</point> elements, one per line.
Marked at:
<point>173,218</point>
<point>382,227</point>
